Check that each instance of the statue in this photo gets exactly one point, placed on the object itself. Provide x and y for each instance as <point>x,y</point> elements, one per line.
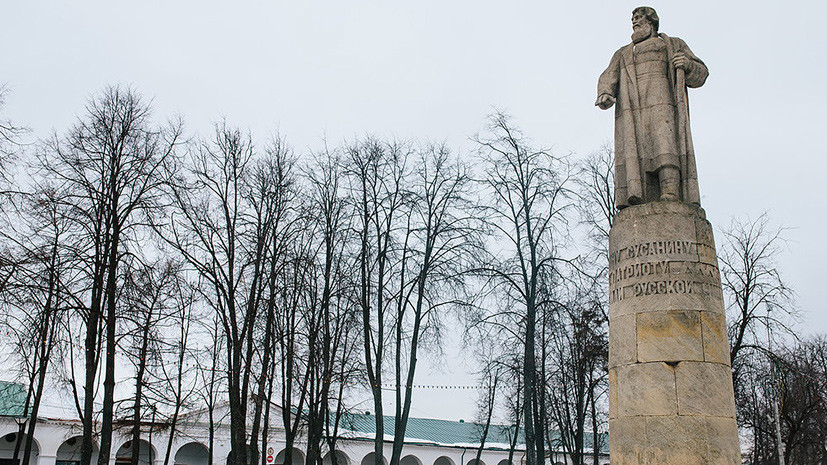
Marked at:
<point>647,79</point>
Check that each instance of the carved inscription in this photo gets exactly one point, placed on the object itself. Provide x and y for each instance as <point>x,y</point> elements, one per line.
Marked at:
<point>669,286</point>
<point>654,248</point>
<point>643,278</point>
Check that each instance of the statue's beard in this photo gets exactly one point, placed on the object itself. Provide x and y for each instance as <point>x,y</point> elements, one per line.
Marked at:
<point>641,33</point>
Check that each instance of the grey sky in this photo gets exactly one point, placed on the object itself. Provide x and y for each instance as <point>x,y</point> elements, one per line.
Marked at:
<point>434,69</point>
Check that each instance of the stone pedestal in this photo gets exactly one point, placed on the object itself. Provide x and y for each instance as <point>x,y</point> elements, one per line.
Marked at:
<point>670,384</point>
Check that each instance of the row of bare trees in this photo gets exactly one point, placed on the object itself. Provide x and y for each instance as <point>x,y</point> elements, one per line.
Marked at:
<point>780,377</point>
<point>543,319</point>
<point>197,269</point>
<point>217,271</point>
<point>144,275</point>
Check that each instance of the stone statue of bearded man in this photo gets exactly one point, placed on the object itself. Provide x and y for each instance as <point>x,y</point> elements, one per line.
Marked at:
<point>647,79</point>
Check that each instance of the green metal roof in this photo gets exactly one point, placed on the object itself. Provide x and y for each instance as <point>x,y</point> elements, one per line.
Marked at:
<point>432,430</point>
<point>12,399</point>
<point>449,432</point>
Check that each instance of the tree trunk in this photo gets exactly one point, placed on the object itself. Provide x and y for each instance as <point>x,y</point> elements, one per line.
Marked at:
<point>111,342</point>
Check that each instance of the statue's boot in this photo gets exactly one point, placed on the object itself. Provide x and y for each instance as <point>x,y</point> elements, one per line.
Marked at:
<point>670,183</point>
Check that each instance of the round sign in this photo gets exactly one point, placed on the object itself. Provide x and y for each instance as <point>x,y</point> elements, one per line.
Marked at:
<point>269,459</point>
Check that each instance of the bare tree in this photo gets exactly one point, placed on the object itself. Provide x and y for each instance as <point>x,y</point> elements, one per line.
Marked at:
<point>176,378</point>
<point>157,302</point>
<point>758,300</point>
<point>295,300</point>
<point>803,378</point>
<point>206,228</point>
<point>208,365</point>
<point>577,355</point>
<point>377,171</point>
<point>10,143</point>
<point>795,375</point>
<point>442,241</point>
<point>36,295</point>
<point>597,211</point>
<point>228,212</point>
<point>491,374</point>
<point>597,205</point>
<point>335,318</point>
<point>109,168</point>
<point>530,198</point>
<point>513,402</point>
<point>270,192</point>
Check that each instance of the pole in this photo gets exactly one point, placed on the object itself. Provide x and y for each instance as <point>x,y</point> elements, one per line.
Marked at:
<point>777,432</point>
<point>774,393</point>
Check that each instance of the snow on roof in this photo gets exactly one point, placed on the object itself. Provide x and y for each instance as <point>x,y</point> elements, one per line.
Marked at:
<point>447,432</point>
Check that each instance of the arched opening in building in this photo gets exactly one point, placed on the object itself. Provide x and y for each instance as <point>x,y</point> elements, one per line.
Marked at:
<point>192,453</point>
<point>504,462</point>
<point>443,461</point>
<point>297,457</point>
<point>370,459</point>
<point>7,445</point>
<point>144,451</point>
<point>341,458</point>
<point>69,452</point>
<point>249,454</point>
<point>475,462</point>
<point>410,460</point>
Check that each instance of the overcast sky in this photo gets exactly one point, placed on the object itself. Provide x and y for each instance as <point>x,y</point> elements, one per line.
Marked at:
<point>425,69</point>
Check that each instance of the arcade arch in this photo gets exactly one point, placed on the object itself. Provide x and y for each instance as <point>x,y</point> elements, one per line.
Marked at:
<point>370,459</point>
<point>7,444</point>
<point>443,460</point>
<point>249,454</point>
<point>69,451</point>
<point>192,453</point>
<point>341,458</point>
<point>410,460</point>
<point>296,459</point>
<point>145,451</point>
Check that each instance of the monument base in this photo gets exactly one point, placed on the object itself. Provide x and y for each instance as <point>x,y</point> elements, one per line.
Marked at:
<point>670,383</point>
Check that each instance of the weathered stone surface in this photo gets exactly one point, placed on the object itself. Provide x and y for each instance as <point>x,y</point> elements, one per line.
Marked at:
<point>669,336</point>
<point>686,404</point>
<point>674,441</point>
<point>705,298</point>
<point>646,389</point>
<point>648,79</point>
<point>656,261</point>
<point>704,389</point>
<point>704,232</point>
<point>670,386</point>
<point>623,348</point>
<point>626,435</point>
<point>716,344</point>
<point>612,393</point>
<point>724,447</point>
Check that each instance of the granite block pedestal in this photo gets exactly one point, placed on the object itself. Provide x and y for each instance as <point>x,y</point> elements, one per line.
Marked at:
<point>670,383</point>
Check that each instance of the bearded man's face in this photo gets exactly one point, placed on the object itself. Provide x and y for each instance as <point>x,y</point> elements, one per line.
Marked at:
<point>642,28</point>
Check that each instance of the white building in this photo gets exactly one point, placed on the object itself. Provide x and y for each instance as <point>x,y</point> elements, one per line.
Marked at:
<point>429,442</point>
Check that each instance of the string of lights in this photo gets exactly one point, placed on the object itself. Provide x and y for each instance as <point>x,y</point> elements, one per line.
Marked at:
<point>430,386</point>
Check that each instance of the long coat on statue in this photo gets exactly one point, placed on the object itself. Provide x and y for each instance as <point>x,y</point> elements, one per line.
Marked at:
<point>652,117</point>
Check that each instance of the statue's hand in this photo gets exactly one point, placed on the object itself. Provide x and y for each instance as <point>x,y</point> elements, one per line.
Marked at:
<point>681,61</point>
<point>605,101</point>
